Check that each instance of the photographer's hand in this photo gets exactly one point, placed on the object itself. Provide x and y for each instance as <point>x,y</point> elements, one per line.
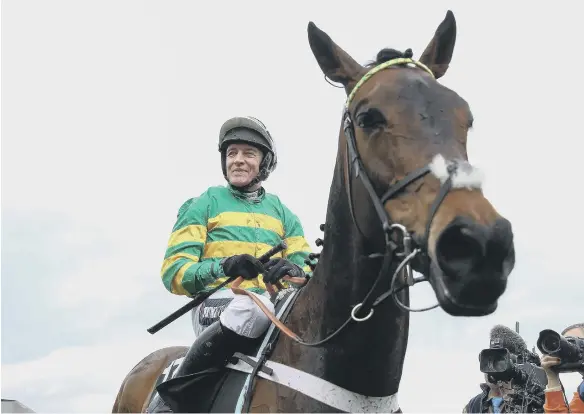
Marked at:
<point>548,361</point>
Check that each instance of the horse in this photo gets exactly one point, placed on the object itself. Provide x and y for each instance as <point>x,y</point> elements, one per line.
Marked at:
<point>403,198</point>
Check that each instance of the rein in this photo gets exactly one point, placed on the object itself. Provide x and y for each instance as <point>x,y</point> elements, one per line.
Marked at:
<point>408,251</point>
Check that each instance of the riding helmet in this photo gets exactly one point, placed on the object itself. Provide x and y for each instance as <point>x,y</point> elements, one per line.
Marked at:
<point>251,131</point>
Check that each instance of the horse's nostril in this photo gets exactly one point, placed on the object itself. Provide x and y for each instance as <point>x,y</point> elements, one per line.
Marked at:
<point>473,261</point>
<point>460,247</point>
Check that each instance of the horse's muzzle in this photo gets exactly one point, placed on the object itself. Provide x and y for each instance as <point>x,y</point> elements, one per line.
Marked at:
<point>473,263</point>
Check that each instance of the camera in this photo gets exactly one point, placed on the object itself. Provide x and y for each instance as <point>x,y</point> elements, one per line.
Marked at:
<point>569,349</point>
<point>527,379</point>
<point>502,365</point>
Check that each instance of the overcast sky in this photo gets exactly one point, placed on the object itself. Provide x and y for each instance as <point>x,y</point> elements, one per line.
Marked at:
<point>110,117</point>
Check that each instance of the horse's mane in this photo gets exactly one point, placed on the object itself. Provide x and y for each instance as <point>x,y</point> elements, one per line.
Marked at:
<point>388,54</point>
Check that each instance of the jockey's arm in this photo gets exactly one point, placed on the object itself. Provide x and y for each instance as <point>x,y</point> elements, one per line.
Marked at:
<point>183,272</point>
<point>298,248</point>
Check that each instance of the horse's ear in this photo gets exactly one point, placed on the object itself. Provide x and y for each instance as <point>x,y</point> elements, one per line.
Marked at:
<point>335,63</point>
<point>439,51</point>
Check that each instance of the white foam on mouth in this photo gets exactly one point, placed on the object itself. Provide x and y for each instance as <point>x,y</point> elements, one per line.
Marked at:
<point>465,175</point>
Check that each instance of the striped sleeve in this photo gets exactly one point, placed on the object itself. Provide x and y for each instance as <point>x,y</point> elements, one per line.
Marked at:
<point>183,272</point>
<point>298,248</point>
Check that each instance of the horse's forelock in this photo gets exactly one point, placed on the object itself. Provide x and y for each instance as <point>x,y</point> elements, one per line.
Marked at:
<point>387,54</point>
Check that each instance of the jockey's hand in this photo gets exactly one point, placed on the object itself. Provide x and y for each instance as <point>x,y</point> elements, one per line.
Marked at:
<point>276,269</point>
<point>244,265</point>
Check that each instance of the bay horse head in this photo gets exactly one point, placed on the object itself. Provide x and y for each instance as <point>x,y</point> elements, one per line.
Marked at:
<point>404,139</point>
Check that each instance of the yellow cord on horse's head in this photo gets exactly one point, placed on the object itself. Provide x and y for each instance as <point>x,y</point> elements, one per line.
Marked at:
<point>384,65</point>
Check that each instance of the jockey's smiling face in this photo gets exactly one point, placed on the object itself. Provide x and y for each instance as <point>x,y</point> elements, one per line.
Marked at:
<point>243,163</point>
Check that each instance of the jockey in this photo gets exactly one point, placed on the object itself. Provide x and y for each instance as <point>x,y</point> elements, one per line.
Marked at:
<point>220,234</point>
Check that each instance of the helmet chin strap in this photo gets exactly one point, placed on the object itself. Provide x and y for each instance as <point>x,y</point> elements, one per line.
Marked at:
<point>245,188</point>
<point>257,179</point>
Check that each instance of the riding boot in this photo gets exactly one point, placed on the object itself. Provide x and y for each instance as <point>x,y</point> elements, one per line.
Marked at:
<point>212,349</point>
<point>158,405</point>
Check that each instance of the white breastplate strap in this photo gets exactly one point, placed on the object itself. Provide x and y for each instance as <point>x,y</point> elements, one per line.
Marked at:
<point>321,390</point>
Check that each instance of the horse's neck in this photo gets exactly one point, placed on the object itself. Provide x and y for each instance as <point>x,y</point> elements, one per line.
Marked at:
<point>366,357</point>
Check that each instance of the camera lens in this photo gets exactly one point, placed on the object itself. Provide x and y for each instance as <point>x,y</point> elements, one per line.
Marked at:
<point>550,344</point>
<point>499,365</point>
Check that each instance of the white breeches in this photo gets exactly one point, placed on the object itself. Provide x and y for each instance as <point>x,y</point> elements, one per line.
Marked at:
<point>236,312</point>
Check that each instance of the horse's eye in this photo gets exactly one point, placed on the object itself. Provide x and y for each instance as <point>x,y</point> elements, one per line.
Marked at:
<point>370,118</point>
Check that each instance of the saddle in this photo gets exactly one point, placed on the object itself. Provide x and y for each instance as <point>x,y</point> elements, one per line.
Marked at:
<point>228,387</point>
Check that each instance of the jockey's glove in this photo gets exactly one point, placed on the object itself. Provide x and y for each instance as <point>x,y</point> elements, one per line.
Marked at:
<point>244,265</point>
<point>278,268</point>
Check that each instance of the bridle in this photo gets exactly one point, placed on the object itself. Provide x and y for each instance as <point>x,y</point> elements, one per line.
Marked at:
<point>409,249</point>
